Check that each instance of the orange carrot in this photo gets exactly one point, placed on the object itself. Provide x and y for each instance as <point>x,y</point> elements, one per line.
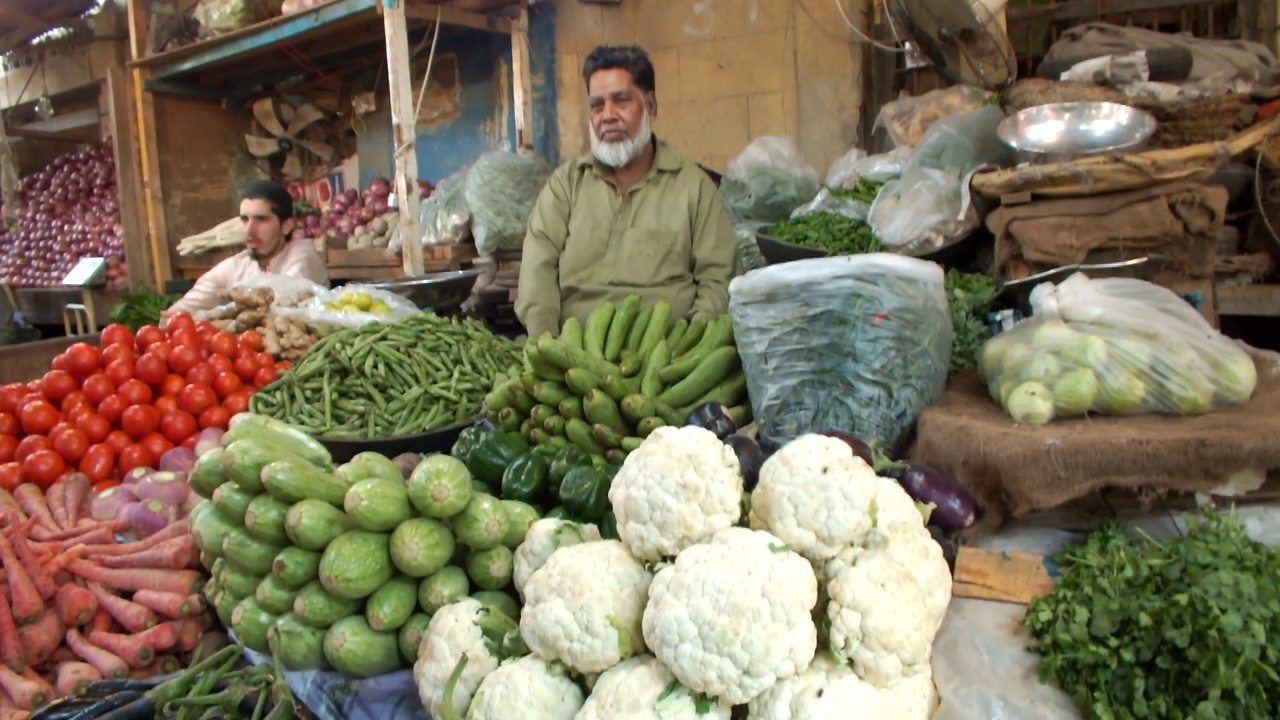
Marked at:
<point>76,606</point>
<point>26,604</point>
<point>61,655</point>
<point>73,677</point>
<point>79,488</point>
<point>10,643</point>
<point>170,605</point>
<point>160,638</point>
<point>41,638</point>
<point>55,496</point>
<point>171,531</point>
<point>175,554</point>
<point>34,566</point>
<point>190,630</point>
<point>7,503</point>
<point>102,620</point>
<point>26,694</point>
<point>129,648</point>
<point>182,582</point>
<point>96,531</point>
<point>103,661</point>
<point>165,664</point>
<point>131,616</point>
<point>33,504</point>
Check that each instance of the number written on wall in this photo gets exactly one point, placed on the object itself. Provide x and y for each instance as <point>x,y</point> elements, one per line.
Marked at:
<point>704,14</point>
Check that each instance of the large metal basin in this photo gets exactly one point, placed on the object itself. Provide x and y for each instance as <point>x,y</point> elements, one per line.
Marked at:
<point>433,290</point>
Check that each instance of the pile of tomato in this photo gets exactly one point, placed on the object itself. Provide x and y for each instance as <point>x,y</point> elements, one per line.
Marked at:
<point>106,409</point>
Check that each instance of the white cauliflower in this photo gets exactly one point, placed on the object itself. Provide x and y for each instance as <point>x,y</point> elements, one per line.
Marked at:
<point>642,688</point>
<point>893,504</point>
<point>464,628</point>
<point>584,606</point>
<point>826,691</point>
<point>916,695</point>
<point>910,545</point>
<point>816,496</point>
<point>545,537</point>
<point>526,688</point>
<point>679,488</point>
<point>732,616</point>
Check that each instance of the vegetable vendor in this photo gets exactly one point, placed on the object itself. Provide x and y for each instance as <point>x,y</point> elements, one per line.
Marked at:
<point>267,213</point>
<point>633,217</point>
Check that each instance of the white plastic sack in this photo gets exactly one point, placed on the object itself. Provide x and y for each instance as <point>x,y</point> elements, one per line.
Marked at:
<point>843,173</point>
<point>501,189</point>
<point>445,217</point>
<point>768,180</point>
<point>333,308</point>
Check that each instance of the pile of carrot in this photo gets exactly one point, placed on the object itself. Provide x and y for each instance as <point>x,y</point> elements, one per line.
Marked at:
<point>77,606</point>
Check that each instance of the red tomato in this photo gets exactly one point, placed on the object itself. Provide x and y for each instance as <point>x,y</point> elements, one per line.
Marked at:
<point>58,429</point>
<point>95,427</point>
<point>161,349</point>
<point>79,410</point>
<point>179,425</point>
<point>149,335</point>
<point>216,416</point>
<point>10,395</point>
<point>156,445</point>
<point>151,369</point>
<point>246,367</point>
<point>226,384</point>
<point>38,417</point>
<point>112,408</point>
<point>112,353</point>
<point>104,485</point>
<point>83,359</point>
<point>133,457</point>
<point>265,360</point>
<point>172,385</point>
<point>118,440</point>
<point>188,339</point>
<point>237,402</point>
<point>183,358</point>
<point>97,388</point>
<point>9,425</point>
<point>8,445</point>
<point>251,340</point>
<point>31,444</point>
<point>140,421</point>
<point>59,362</point>
<point>135,392</point>
<point>74,399</point>
<point>116,335</point>
<point>222,343</point>
<point>202,374</point>
<point>205,328</point>
<point>283,366</point>
<point>180,322</point>
<point>71,445</point>
<point>165,404</point>
<point>43,467</point>
<point>197,398</point>
<point>190,443</point>
<point>58,384</point>
<point>120,371</point>
<point>265,376</point>
<point>10,476</point>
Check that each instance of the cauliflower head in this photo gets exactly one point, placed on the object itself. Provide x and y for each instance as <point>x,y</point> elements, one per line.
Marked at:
<point>465,628</point>
<point>642,688</point>
<point>527,687</point>
<point>545,536</point>
<point>584,606</point>
<point>825,691</point>
<point>916,695</point>
<point>732,616</point>
<point>679,488</point>
<point>816,496</point>
<point>892,504</point>
<point>910,545</point>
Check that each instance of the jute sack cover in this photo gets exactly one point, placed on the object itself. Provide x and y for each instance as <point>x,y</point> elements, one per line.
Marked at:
<point>1016,469</point>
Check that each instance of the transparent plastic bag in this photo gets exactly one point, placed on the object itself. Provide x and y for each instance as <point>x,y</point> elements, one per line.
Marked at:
<point>843,172</point>
<point>768,180</point>
<point>857,343</point>
<point>907,119</point>
<point>1114,346</point>
<point>445,217</point>
<point>826,202</point>
<point>223,16</point>
<point>749,257</point>
<point>354,306</point>
<point>500,190</point>
<point>289,291</point>
<point>881,168</point>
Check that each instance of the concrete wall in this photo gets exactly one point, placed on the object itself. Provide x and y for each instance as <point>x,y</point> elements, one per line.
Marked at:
<point>727,71</point>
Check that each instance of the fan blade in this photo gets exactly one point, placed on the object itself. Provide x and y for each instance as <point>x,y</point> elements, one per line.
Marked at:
<point>264,111</point>
<point>260,146</point>
<point>305,115</point>
<point>323,150</point>
<point>292,166</point>
<point>285,113</point>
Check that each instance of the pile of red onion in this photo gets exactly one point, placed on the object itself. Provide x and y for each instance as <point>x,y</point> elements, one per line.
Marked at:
<point>348,211</point>
<point>68,211</point>
<point>152,499</point>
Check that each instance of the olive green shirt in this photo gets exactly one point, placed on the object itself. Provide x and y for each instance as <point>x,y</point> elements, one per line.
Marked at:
<point>668,238</point>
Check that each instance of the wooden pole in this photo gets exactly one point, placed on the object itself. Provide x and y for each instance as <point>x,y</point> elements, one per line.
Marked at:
<point>522,82</point>
<point>403,133</point>
<point>137,249</point>
<point>139,15</point>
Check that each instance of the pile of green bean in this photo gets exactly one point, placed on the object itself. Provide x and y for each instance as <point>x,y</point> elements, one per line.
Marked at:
<point>381,381</point>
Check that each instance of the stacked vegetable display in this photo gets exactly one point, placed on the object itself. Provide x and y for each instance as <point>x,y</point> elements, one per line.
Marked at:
<point>607,384</point>
<point>107,410</point>
<point>353,215</point>
<point>343,567</point>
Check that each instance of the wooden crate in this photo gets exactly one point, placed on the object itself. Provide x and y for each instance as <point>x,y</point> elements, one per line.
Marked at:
<point>372,264</point>
<point>440,258</point>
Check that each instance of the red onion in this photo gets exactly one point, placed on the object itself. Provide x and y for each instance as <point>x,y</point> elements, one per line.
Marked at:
<point>111,503</point>
<point>136,475</point>
<point>179,460</point>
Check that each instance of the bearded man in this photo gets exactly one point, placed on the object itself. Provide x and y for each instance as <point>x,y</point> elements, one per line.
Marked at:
<point>634,217</point>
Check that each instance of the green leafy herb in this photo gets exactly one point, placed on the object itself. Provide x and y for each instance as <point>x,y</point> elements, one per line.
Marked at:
<point>864,191</point>
<point>141,308</point>
<point>970,295</point>
<point>1183,630</point>
<point>831,232</point>
<point>302,208</point>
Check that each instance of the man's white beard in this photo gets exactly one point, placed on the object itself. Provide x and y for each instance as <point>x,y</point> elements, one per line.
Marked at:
<point>620,154</point>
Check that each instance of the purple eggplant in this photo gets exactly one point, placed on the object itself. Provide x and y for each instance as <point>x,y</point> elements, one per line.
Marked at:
<point>954,508</point>
<point>948,546</point>
<point>856,444</point>
<point>714,417</point>
<point>750,458</point>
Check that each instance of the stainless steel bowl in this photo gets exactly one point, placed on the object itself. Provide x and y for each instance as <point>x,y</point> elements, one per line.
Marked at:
<point>433,290</point>
<point>1076,129</point>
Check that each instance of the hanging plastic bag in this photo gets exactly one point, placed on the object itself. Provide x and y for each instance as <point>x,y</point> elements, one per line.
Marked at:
<point>825,201</point>
<point>354,306</point>
<point>445,217</point>
<point>844,169</point>
<point>749,257</point>
<point>908,119</point>
<point>217,17</point>
<point>768,180</point>
<point>500,191</point>
<point>1114,346</point>
<point>857,343</point>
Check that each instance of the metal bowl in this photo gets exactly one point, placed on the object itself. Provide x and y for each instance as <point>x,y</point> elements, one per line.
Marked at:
<point>439,440</point>
<point>433,290</point>
<point>1076,129</point>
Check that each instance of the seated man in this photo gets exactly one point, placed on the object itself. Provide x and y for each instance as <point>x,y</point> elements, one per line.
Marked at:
<point>632,218</point>
<point>267,214</point>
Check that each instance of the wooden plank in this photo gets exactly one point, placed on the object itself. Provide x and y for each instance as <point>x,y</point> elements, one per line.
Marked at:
<point>1091,9</point>
<point>522,82</point>
<point>138,18</point>
<point>149,154</point>
<point>1249,300</point>
<point>404,131</point>
<point>29,361</point>
<point>362,258</point>
<point>449,15</point>
<point>1011,577</point>
<point>129,180</point>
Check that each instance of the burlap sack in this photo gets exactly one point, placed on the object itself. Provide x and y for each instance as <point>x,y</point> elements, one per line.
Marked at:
<point>1016,469</point>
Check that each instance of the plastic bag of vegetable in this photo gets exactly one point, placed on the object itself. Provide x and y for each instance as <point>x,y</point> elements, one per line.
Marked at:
<point>501,190</point>
<point>445,217</point>
<point>354,306</point>
<point>749,257</point>
<point>223,16</point>
<point>768,180</point>
<point>859,344</point>
<point>1114,346</point>
<point>825,201</point>
<point>844,169</point>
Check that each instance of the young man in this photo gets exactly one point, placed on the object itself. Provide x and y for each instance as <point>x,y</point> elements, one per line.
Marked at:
<point>632,218</point>
<point>267,214</point>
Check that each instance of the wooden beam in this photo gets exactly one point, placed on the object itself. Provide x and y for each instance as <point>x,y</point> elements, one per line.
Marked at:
<point>522,82</point>
<point>13,17</point>
<point>152,188</point>
<point>133,216</point>
<point>1089,9</point>
<point>404,131</point>
<point>1249,300</point>
<point>449,15</point>
<point>139,21</point>
<point>59,123</point>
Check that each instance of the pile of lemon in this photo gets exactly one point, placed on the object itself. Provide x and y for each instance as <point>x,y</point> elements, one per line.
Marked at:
<point>358,302</point>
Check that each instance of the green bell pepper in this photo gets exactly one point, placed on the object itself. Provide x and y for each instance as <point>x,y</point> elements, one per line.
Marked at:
<point>467,441</point>
<point>547,451</point>
<point>609,526</point>
<point>585,492</point>
<point>525,479</point>
<point>493,454</point>
<point>558,512</point>
<point>567,459</point>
